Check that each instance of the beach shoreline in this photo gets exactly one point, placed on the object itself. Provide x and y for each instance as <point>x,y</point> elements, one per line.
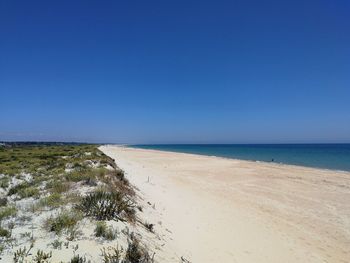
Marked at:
<point>274,163</point>
<point>216,209</point>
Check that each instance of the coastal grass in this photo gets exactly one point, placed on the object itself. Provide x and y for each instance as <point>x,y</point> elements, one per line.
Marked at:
<point>78,259</point>
<point>56,167</point>
<point>112,255</point>
<point>79,175</point>
<point>20,256</point>
<point>65,220</point>
<point>106,205</point>
<point>4,182</point>
<point>54,200</point>
<point>42,257</point>
<point>46,159</point>
<point>57,186</point>
<point>102,230</point>
<point>4,232</point>
<point>134,253</point>
<point>3,201</point>
<point>8,211</point>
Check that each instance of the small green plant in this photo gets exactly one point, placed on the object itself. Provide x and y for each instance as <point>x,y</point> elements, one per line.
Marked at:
<point>63,221</point>
<point>11,225</point>
<point>31,191</point>
<point>2,248</point>
<point>24,218</point>
<point>56,244</point>
<point>73,198</point>
<point>19,187</point>
<point>149,226</point>
<point>119,174</point>
<point>111,234</point>
<point>20,254</point>
<point>33,207</point>
<point>80,175</point>
<point>7,211</point>
<point>66,244</point>
<point>4,182</point>
<point>112,255</point>
<point>5,233</point>
<point>78,259</point>
<point>24,190</point>
<point>136,253</point>
<point>57,186</point>
<point>73,233</point>
<point>3,201</point>
<point>101,230</point>
<point>54,200</point>
<point>42,257</point>
<point>26,235</point>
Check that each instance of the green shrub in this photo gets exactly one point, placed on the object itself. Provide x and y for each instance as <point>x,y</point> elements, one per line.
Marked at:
<point>149,226</point>
<point>73,198</point>
<point>53,200</point>
<point>78,259</point>
<point>56,186</point>
<point>56,244</point>
<point>63,221</point>
<point>73,233</point>
<point>110,234</point>
<point>7,211</point>
<point>31,191</point>
<point>101,230</point>
<point>4,182</point>
<point>136,253</point>
<point>100,172</point>
<point>24,190</point>
<point>20,254</point>
<point>105,205</point>
<point>119,173</point>
<point>112,255</point>
<point>3,201</point>
<point>20,187</point>
<point>80,175</point>
<point>4,232</point>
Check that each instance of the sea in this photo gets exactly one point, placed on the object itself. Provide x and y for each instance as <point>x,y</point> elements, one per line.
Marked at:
<point>327,156</point>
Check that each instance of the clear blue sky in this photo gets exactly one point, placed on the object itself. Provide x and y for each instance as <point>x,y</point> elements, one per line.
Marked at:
<point>175,71</point>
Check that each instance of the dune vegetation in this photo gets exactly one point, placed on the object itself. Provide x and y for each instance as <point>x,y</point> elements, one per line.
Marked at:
<point>57,197</point>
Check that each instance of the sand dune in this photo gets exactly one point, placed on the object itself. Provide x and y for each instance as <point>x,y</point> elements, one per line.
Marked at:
<point>209,209</point>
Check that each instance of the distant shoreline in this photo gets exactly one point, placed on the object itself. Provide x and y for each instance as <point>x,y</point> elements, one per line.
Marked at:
<point>177,148</point>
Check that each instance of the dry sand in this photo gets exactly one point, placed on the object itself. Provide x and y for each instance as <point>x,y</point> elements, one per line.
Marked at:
<point>210,209</point>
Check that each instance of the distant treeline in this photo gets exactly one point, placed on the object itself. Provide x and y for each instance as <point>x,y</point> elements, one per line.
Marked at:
<point>30,143</point>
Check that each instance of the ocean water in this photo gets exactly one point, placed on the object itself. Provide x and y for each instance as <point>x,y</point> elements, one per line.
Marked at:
<point>329,156</point>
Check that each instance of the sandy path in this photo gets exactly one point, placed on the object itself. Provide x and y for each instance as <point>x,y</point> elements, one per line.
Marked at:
<point>210,209</point>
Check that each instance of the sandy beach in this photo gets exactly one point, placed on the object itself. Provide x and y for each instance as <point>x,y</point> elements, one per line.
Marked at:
<point>210,209</point>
